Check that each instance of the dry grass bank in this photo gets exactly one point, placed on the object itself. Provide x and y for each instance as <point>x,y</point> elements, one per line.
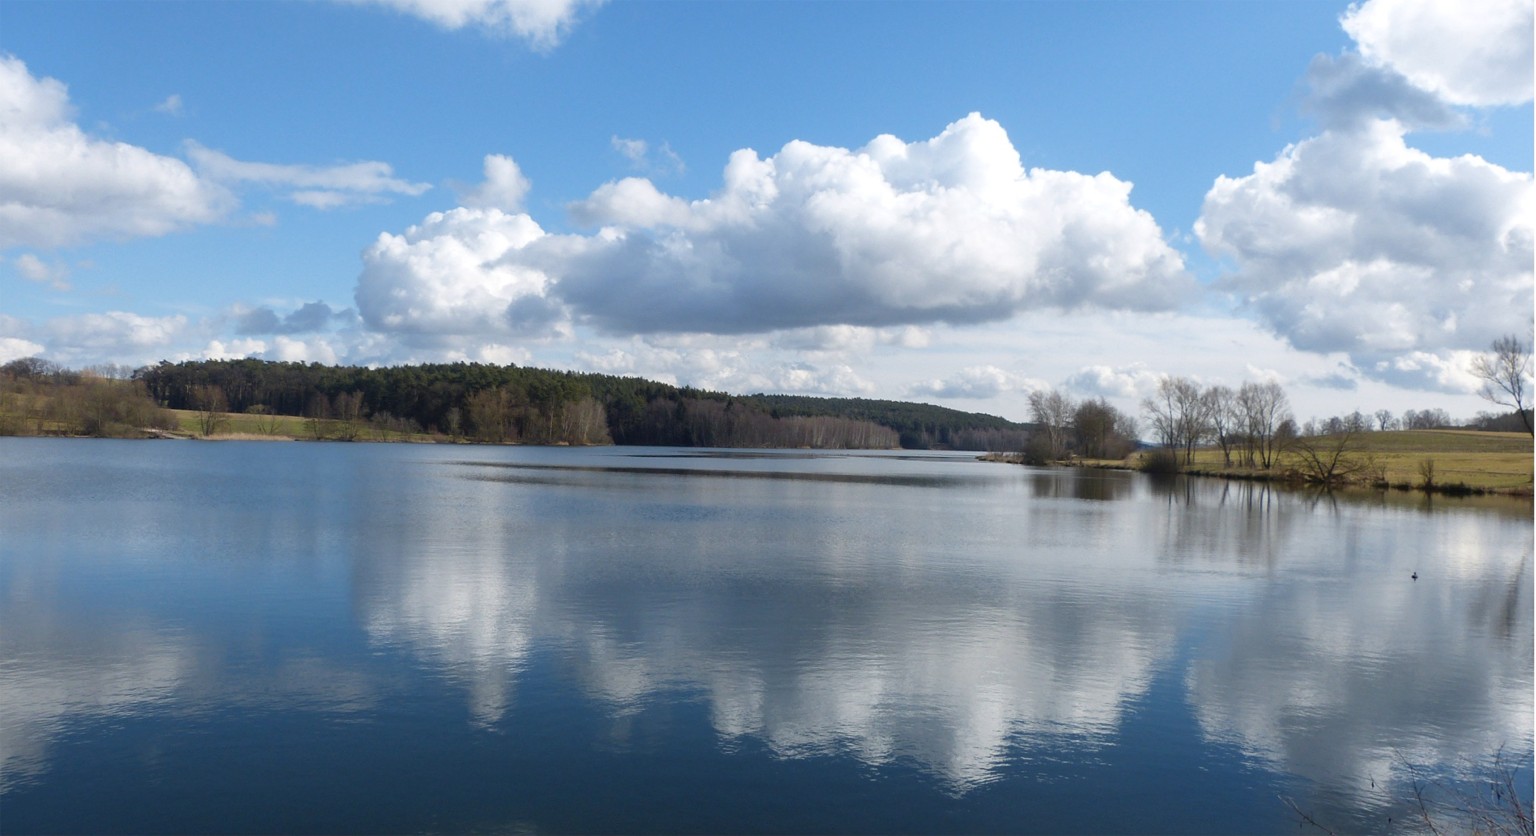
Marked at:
<point>1491,462</point>
<point>1480,461</point>
<point>232,426</point>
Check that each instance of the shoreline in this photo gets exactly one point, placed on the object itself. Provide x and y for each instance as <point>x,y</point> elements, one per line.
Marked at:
<point>150,434</point>
<point>1287,478</point>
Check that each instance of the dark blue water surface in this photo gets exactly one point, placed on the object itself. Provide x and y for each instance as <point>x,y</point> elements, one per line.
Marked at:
<point>310,637</point>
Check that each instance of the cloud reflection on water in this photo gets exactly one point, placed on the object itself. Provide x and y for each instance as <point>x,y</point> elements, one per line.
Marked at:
<point>803,612</point>
<point>947,636</point>
<point>54,673</point>
<point>962,617</point>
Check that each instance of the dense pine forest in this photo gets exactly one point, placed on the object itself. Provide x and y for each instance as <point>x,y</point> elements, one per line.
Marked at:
<point>480,402</point>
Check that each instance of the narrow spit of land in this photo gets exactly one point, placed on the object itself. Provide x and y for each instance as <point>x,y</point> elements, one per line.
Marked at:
<point>1444,461</point>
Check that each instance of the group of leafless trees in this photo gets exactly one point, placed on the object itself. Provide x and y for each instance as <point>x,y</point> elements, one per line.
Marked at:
<point>1091,429</point>
<point>1505,371</point>
<point>1250,424</point>
<point>506,414</point>
<point>1381,420</point>
<point>39,397</point>
<point>711,422</point>
<point>1253,424</point>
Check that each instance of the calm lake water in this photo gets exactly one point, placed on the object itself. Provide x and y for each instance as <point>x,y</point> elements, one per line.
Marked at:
<point>299,637</point>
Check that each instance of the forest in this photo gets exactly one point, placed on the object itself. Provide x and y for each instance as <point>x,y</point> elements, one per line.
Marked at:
<point>475,402</point>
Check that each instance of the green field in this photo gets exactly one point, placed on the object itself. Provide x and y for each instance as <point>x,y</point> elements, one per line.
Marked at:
<point>242,426</point>
<point>1486,461</point>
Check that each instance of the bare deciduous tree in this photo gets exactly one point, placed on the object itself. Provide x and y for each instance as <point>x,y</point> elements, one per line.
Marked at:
<point>1504,370</point>
<point>347,409</point>
<point>211,406</point>
<point>1265,410</point>
<point>584,422</point>
<point>493,414</point>
<point>1180,413</point>
<point>1330,460</point>
<point>1427,474</point>
<point>1162,415</point>
<point>1053,412</point>
<point>1101,431</point>
<point>315,415</point>
<point>1225,419</point>
<point>1426,419</point>
<point>267,420</point>
<point>1195,415</point>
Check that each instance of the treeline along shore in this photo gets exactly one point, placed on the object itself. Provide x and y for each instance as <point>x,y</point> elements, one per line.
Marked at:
<point>461,402</point>
<point>1247,433</point>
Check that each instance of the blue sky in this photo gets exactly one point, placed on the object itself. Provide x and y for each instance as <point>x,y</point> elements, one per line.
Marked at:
<point>695,192</point>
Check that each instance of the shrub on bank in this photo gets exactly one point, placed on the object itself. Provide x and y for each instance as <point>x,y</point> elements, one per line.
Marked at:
<point>1161,461</point>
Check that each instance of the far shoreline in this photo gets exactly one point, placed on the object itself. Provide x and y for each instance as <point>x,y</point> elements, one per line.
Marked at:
<point>1389,475</point>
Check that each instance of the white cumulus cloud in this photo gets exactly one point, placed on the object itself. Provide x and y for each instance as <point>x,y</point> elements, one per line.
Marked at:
<point>16,339</point>
<point>948,229</point>
<point>698,361</point>
<point>234,349</point>
<point>504,187</point>
<point>809,379</point>
<point>60,186</point>
<point>832,338</point>
<point>15,348</point>
<point>116,336</point>
<point>1474,52</point>
<point>542,23</point>
<point>312,350</point>
<point>951,229</point>
<point>1131,382</point>
<point>1444,372</point>
<point>849,339</point>
<point>1354,242</point>
<point>451,275</point>
<point>726,364</point>
<point>978,382</point>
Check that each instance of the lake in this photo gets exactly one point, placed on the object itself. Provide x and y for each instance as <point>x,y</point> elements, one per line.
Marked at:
<point>324,637</point>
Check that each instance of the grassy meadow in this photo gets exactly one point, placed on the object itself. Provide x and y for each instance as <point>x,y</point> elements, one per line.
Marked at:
<point>231,426</point>
<point>1493,462</point>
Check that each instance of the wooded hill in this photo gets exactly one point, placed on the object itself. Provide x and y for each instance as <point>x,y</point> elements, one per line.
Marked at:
<point>494,403</point>
<point>921,426</point>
